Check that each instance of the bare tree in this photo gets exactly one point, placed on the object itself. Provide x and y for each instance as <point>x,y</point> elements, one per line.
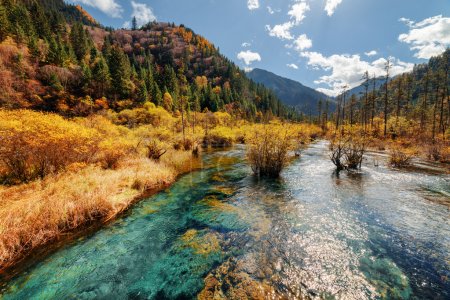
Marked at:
<point>423,109</point>
<point>387,68</point>
<point>372,110</point>
<point>366,99</point>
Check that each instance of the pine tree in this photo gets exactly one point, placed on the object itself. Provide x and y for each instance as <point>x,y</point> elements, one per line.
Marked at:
<point>101,78</point>
<point>120,71</point>
<point>4,23</point>
<point>54,55</point>
<point>157,96</point>
<point>79,41</point>
<point>142,94</point>
<point>134,23</point>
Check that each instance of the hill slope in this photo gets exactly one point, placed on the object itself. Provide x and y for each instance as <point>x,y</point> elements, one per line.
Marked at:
<point>289,91</point>
<point>71,65</point>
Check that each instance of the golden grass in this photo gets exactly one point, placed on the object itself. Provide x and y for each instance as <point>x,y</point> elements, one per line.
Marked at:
<point>34,214</point>
<point>116,171</point>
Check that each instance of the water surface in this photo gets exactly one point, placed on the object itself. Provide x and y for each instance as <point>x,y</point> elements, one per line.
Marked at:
<point>378,233</point>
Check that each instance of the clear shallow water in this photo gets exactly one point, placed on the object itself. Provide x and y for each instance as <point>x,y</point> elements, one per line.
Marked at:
<point>380,233</point>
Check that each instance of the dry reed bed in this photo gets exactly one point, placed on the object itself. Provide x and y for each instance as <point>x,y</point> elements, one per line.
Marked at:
<point>34,214</point>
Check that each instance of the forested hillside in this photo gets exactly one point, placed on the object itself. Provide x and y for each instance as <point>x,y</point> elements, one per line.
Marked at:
<point>55,57</point>
<point>417,101</point>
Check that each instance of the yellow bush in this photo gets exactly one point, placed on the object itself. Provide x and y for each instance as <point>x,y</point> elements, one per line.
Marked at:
<point>268,149</point>
<point>34,144</point>
<point>400,156</point>
<point>400,126</point>
<point>219,137</point>
<point>113,149</point>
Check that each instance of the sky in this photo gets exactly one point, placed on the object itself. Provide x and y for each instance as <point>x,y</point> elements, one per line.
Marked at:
<point>324,44</point>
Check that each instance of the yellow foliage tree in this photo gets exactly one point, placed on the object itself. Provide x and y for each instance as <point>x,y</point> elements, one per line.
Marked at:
<point>34,144</point>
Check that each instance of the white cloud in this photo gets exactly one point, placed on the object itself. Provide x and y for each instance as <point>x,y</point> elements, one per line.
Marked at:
<point>109,7</point>
<point>302,43</point>
<point>143,13</point>
<point>429,37</point>
<point>248,69</point>
<point>348,69</point>
<point>406,21</point>
<point>330,6</point>
<point>245,45</point>
<point>253,4</point>
<point>281,31</point>
<point>298,11</point>
<point>270,10</point>
<point>371,53</point>
<point>293,66</point>
<point>328,92</point>
<point>248,57</point>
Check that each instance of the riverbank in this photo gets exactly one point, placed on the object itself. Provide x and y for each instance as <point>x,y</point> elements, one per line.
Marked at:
<point>64,175</point>
<point>40,213</point>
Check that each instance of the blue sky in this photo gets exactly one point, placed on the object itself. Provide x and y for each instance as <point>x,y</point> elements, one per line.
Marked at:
<point>325,44</point>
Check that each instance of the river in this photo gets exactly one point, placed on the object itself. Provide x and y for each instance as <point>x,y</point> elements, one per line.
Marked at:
<point>312,233</point>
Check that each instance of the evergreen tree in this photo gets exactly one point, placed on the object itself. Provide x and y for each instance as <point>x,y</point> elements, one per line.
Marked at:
<point>101,78</point>
<point>79,41</point>
<point>142,94</point>
<point>134,23</point>
<point>4,23</point>
<point>120,70</point>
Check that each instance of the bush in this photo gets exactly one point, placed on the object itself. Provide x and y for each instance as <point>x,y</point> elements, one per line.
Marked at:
<point>219,137</point>
<point>113,149</point>
<point>155,150</point>
<point>268,150</point>
<point>399,158</point>
<point>348,148</point>
<point>438,151</point>
<point>34,144</point>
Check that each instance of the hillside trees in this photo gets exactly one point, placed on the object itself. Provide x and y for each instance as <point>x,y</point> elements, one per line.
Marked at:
<point>129,68</point>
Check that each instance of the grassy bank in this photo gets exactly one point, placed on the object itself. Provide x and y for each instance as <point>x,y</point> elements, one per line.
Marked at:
<point>60,175</point>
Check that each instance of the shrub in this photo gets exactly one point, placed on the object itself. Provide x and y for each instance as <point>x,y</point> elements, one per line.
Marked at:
<point>155,150</point>
<point>337,149</point>
<point>438,151</point>
<point>268,150</point>
<point>348,148</point>
<point>219,137</point>
<point>113,149</point>
<point>399,158</point>
<point>35,144</point>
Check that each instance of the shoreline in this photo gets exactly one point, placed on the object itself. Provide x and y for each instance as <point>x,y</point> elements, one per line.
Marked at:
<point>34,255</point>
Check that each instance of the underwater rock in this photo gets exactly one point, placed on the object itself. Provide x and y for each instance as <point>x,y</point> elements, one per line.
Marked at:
<point>229,281</point>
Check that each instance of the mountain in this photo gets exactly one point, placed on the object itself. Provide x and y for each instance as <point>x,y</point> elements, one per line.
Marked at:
<point>291,92</point>
<point>70,64</point>
<point>360,89</point>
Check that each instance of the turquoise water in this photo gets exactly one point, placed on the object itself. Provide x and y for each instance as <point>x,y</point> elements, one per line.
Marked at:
<point>220,232</point>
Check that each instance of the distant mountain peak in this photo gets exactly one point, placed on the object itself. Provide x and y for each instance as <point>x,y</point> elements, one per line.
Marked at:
<point>291,92</point>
